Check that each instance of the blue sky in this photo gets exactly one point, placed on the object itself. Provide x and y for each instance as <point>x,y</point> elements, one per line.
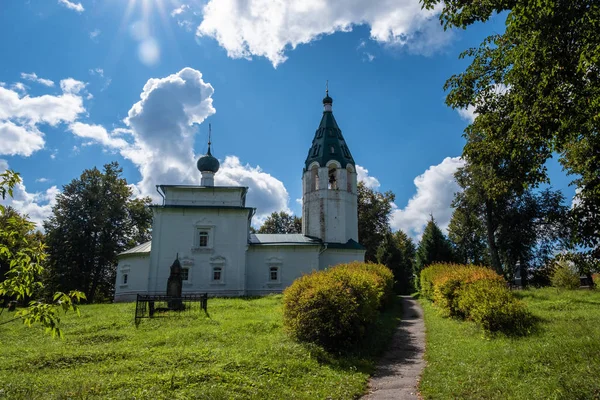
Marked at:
<point>85,83</point>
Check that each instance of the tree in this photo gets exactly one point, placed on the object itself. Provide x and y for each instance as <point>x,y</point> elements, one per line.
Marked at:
<point>24,253</point>
<point>522,228</point>
<point>433,247</point>
<point>94,219</point>
<point>536,90</point>
<point>281,222</point>
<point>374,209</point>
<point>397,252</point>
<point>23,233</point>
<point>467,233</point>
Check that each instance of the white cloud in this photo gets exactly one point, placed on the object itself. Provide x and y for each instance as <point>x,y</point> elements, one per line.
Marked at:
<point>435,192</point>
<point>179,10</point>
<point>38,205</point>
<point>20,116</point>
<point>162,129</point>
<point>19,87</point>
<point>468,114</point>
<point>34,78</point>
<point>267,29</point>
<point>19,140</point>
<point>42,180</point>
<point>72,6</point>
<point>98,134</point>
<point>265,192</point>
<point>72,86</point>
<point>95,33</point>
<point>163,126</point>
<point>43,109</point>
<point>97,71</point>
<point>363,176</point>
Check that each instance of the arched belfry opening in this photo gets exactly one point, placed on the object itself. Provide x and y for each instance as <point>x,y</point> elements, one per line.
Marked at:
<point>333,179</point>
<point>329,206</point>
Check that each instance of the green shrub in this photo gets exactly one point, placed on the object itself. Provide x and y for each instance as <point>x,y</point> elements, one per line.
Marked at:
<point>333,308</point>
<point>596,279</point>
<point>491,305</point>
<point>475,293</point>
<point>565,275</point>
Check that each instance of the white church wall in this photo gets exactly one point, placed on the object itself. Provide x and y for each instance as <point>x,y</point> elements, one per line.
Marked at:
<point>333,257</point>
<point>178,233</point>
<point>204,196</point>
<point>132,276</point>
<point>291,262</point>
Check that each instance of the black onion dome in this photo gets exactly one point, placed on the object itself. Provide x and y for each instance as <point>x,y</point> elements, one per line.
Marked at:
<point>208,163</point>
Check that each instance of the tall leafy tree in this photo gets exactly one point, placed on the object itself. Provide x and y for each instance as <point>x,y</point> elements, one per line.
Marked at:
<point>374,209</point>
<point>520,228</point>
<point>94,219</point>
<point>467,233</point>
<point>536,89</point>
<point>281,222</point>
<point>433,247</point>
<point>397,252</point>
<point>22,253</point>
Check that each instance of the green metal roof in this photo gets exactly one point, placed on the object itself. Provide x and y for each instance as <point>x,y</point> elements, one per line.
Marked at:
<point>328,143</point>
<point>143,248</point>
<point>295,239</point>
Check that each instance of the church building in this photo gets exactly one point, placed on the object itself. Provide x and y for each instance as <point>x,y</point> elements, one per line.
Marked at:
<point>207,228</point>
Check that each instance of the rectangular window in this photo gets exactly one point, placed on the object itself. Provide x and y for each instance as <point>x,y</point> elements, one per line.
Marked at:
<point>125,277</point>
<point>185,274</point>
<point>217,274</point>
<point>203,239</point>
<point>274,274</point>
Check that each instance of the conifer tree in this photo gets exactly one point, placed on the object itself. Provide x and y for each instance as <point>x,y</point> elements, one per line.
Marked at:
<point>397,252</point>
<point>434,247</point>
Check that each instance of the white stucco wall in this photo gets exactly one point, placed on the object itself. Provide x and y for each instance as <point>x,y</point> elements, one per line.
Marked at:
<point>204,196</point>
<point>332,257</point>
<point>293,262</point>
<point>136,266</point>
<point>175,231</point>
<point>330,214</point>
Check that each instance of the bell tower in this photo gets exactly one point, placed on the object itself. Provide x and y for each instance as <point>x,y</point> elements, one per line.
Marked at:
<point>329,197</point>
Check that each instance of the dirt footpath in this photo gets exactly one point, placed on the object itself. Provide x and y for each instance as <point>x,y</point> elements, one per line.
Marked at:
<point>398,372</point>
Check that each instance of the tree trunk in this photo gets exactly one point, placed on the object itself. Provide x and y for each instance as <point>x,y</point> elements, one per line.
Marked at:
<point>491,229</point>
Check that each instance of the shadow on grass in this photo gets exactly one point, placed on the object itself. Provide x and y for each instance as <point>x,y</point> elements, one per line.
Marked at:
<point>365,355</point>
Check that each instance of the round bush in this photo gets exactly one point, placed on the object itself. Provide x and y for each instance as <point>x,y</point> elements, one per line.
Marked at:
<point>333,308</point>
<point>565,276</point>
<point>491,305</point>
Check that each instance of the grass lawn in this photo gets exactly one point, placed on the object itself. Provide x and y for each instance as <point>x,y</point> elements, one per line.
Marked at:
<point>561,360</point>
<point>241,351</point>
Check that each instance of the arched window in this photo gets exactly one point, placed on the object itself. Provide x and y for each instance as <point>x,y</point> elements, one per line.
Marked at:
<point>315,177</point>
<point>333,184</point>
<point>349,171</point>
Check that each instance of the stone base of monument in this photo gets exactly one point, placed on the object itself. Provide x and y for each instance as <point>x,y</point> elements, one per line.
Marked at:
<point>159,306</point>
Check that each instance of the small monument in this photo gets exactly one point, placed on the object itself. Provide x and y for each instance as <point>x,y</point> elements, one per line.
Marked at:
<point>174,286</point>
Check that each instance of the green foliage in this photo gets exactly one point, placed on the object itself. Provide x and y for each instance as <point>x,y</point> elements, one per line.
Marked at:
<point>94,219</point>
<point>240,352</point>
<point>536,90</point>
<point>558,361</point>
<point>477,294</point>
<point>467,233</point>
<point>565,275</point>
<point>374,209</point>
<point>281,222</point>
<point>335,307</point>
<point>434,247</point>
<point>25,253</point>
<point>397,252</point>
<point>490,305</point>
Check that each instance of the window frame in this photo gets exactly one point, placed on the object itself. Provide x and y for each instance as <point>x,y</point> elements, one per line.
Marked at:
<point>210,241</point>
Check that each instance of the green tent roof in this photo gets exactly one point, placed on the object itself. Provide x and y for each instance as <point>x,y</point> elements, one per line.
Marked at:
<point>328,143</point>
